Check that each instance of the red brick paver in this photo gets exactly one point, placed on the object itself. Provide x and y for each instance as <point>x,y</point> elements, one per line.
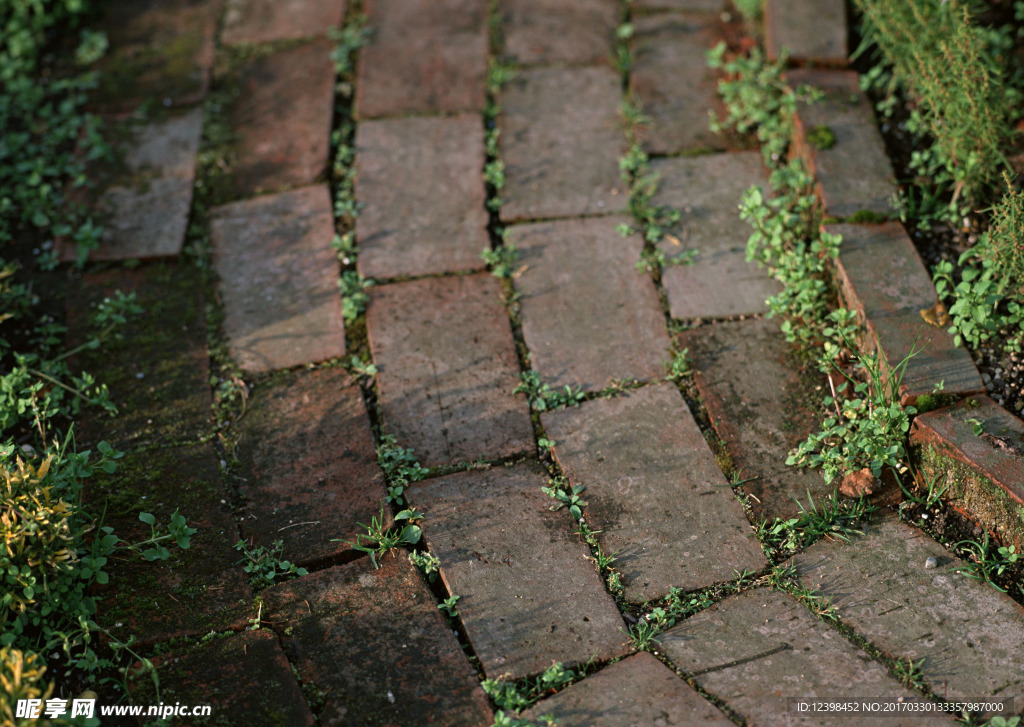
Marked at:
<point>561,141</point>
<point>638,690</point>
<point>447,369</point>
<point>516,568</point>
<point>262,21</point>
<point>588,315</point>
<point>279,279</point>
<point>426,56</point>
<point>282,119</point>
<point>309,468</point>
<point>654,492</point>
<point>421,186</point>
<point>546,32</point>
<point>810,30</point>
<point>375,644</point>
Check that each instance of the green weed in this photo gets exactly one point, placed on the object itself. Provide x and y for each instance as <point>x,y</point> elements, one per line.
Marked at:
<point>377,540</point>
<point>429,563</point>
<point>502,261</point>
<point>986,564</point>
<point>544,398</point>
<point>264,566</point>
<point>354,297</point>
<point>448,606</point>
<point>400,467</point>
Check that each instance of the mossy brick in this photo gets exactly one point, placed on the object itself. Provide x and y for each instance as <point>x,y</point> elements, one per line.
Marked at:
<point>638,690</point>
<point>706,190</point>
<point>546,32</point>
<point>243,678</point>
<point>143,201</point>
<point>309,470</point>
<point>982,474</point>
<point>673,83</point>
<point>882,278</point>
<point>161,51</point>
<point>282,118</point>
<point>194,591</point>
<point>529,594</point>
<point>375,645</point>
<point>264,21</point>
<point>967,635</point>
<point>447,369</point>
<point>561,140</point>
<point>762,403</point>
<point>425,57</point>
<point>761,651</point>
<point>854,174</point>
<point>588,315</point>
<point>809,30</point>
<point>279,279</point>
<point>158,372</point>
<point>421,195</point>
<point>655,494</point>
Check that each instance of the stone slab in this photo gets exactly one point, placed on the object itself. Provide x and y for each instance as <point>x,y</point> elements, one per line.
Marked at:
<point>143,202</point>
<point>969,635</point>
<point>158,373</point>
<point>654,492</point>
<point>706,190</point>
<point>194,591</point>
<point>588,315</point>
<point>810,30</point>
<point>447,369</point>
<point>561,140</point>
<point>639,690</point>
<point>241,674</point>
<point>855,174</point>
<point>673,83</point>
<point>264,21</point>
<point>762,406</point>
<point>983,474</point>
<point>425,56</point>
<point>548,32</point>
<point>160,51</point>
<point>882,277</point>
<point>282,119</point>
<point>422,195</point>
<point>516,566</point>
<point>376,645</point>
<point>278,279</point>
<point>760,649</point>
<point>309,465</point>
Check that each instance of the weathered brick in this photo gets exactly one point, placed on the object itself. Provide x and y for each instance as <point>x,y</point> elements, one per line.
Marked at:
<point>194,591</point>
<point>810,30</point>
<point>515,565</point>
<point>639,690</point>
<point>545,32</point>
<point>706,6</point>
<point>282,119</point>
<point>144,201</point>
<point>426,56</point>
<point>374,642</point>
<point>309,465</point>
<point>762,403</point>
<point>761,649</point>
<point>160,50</point>
<point>262,21</point>
<point>882,277</point>
<point>982,474</point>
<point>854,174</point>
<point>158,372</point>
<point>969,635</point>
<point>561,141</point>
<point>448,367</point>
<point>241,674</point>
<point>654,492</point>
<point>672,80</point>
<point>588,315</point>
<point>706,190</point>
<point>278,279</point>
<point>420,182</point>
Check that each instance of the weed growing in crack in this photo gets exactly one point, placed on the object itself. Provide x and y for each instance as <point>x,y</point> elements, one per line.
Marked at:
<point>568,496</point>
<point>354,297</point>
<point>784,578</point>
<point>503,260</point>
<point>264,566</point>
<point>429,563</point>
<point>517,696</point>
<point>985,563</point>
<point>378,540</point>
<point>400,467</point>
<point>544,398</point>
<point>832,517</point>
<point>909,672</point>
<point>679,368</point>
<point>448,606</point>
<point>348,39</point>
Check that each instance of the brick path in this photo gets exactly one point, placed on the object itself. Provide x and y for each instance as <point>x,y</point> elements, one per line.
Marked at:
<point>243,360</point>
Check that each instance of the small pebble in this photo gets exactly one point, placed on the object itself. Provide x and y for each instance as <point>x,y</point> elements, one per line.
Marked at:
<point>931,562</point>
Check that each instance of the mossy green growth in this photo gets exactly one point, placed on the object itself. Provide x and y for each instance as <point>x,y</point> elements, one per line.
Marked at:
<point>865,217</point>
<point>821,137</point>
